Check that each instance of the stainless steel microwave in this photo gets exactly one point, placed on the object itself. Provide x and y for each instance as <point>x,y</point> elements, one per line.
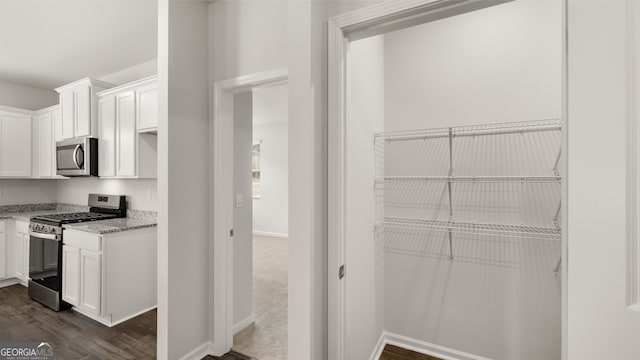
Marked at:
<point>77,157</point>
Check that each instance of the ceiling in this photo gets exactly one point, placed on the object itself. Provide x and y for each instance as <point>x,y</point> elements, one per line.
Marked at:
<point>48,43</point>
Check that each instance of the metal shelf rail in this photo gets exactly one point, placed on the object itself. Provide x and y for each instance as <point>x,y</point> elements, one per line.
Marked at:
<point>442,155</point>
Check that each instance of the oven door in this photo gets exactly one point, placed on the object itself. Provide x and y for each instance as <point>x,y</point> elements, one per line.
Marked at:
<point>45,252</point>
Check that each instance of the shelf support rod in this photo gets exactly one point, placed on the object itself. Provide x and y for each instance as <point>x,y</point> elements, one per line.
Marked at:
<point>556,270</point>
<point>449,188</point>
<point>557,215</point>
<point>555,165</point>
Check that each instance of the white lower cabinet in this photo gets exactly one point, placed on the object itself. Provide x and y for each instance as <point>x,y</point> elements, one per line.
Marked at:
<point>112,277</point>
<point>21,252</point>
<point>90,281</point>
<point>3,251</point>
<point>71,274</point>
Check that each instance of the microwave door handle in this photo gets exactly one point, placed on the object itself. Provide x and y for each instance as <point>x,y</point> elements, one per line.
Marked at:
<point>75,156</point>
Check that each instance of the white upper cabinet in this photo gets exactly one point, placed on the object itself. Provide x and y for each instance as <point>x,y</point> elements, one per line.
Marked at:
<point>77,106</point>
<point>147,107</point>
<point>15,142</point>
<point>47,123</point>
<point>107,141</point>
<point>127,118</point>
<point>126,149</point>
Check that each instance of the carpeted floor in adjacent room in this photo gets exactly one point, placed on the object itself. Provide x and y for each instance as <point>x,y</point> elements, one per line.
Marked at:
<point>266,338</point>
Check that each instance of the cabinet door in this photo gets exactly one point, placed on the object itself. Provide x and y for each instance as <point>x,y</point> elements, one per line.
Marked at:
<point>45,144</point>
<point>107,143</point>
<point>126,127</point>
<point>15,144</point>
<point>83,110</point>
<point>90,283</point>
<point>71,274</point>
<point>3,255</point>
<point>20,256</point>
<point>68,114</point>
<point>147,106</point>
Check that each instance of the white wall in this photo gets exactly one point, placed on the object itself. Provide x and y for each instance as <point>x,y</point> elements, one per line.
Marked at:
<point>13,192</point>
<point>253,35</point>
<point>500,64</point>
<point>132,73</point>
<point>141,194</point>
<point>25,97</point>
<point>183,198</point>
<point>494,65</point>
<point>364,255</point>
<point>242,216</point>
<point>271,210</point>
<point>599,324</point>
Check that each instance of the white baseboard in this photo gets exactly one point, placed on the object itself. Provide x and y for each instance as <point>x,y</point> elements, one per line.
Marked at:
<point>199,352</point>
<point>423,347</point>
<point>377,351</point>
<point>132,316</point>
<point>272,234</point>
<point>9,282</point>
<point>243,324</point>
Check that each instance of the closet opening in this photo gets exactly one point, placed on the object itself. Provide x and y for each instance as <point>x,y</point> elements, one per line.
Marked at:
<point>448,185</point>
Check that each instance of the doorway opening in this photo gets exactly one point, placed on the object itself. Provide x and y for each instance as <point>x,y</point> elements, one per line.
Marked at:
<point>261,222</point>
<point>254,308</point>
<point>446,183</point>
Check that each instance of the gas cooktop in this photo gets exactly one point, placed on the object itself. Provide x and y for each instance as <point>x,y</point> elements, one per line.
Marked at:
<point>73,217</point>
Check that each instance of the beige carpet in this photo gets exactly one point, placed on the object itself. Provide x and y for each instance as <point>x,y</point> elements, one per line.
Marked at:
<point>266,338</point>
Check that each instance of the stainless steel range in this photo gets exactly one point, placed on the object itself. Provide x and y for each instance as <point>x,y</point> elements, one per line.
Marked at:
<point>46,240</point>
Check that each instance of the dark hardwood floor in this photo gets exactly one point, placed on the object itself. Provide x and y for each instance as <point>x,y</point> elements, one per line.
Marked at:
<point>231,355</point>
<point>391,352</point>
<point>74,336</point>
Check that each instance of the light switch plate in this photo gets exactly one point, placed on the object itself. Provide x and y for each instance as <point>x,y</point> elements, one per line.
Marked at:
<point>239,200</point>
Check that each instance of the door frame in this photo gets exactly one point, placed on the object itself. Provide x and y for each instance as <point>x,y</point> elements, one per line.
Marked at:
<point>221,201</point>
<point>370,21</point>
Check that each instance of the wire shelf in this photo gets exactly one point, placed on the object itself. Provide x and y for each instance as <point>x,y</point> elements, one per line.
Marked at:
<point>496,179</point>
<point>474,130</point>
<point>506,230</point>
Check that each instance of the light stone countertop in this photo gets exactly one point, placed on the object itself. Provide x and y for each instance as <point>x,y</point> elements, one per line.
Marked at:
<point>112,225</point>
<point>136,219</point>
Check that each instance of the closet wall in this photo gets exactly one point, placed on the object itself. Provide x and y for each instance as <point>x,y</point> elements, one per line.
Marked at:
<point>497,299</point>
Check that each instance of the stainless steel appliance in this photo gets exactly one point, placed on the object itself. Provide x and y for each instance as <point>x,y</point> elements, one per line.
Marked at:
<point>77,157</point>
<point>46,241</point>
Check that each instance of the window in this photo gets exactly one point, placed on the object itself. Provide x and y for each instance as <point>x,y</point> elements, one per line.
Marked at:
<point>255,168</point>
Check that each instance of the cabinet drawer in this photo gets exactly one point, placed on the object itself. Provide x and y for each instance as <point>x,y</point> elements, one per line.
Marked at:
<point>82,240</point>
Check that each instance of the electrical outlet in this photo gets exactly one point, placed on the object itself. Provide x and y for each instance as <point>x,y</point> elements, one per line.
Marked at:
<point>149,194</point>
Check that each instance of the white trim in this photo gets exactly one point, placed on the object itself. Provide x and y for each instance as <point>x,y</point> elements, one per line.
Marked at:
<point>272,234</point>
<point>199,352</point>
<point>369,21</point>
<point>376,19</point>
<point>104,321</point>
<point>132,316</point>
<point>243,324</point>
<point>377,351</point>
<point>10,282</point>
<point>221,201</point>
<point>424,347</point>
<point>633,160</point>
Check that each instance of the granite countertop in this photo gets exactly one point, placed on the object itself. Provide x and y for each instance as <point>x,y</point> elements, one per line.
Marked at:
<point>136,219</point>
<point>26,212</point>
<point>112,225</point>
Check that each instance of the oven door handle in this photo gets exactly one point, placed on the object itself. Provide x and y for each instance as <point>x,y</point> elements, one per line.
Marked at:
<point>44,236</point>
